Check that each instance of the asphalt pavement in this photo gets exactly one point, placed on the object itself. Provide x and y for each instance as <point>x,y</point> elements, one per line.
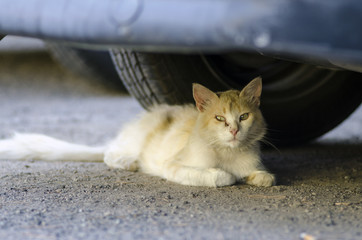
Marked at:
<point>318,195</point>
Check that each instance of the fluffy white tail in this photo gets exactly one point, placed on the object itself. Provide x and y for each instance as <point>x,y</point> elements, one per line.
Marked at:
<point>40,147</point>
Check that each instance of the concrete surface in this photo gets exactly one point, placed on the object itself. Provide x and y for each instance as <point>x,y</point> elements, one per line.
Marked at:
<point>319,189</point>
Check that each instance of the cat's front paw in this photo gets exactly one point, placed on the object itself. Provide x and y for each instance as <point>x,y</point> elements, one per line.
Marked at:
<point>261,179</point>
<point>221,178</point>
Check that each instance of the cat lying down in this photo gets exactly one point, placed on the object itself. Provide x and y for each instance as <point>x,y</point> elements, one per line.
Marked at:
<point>213,144</point>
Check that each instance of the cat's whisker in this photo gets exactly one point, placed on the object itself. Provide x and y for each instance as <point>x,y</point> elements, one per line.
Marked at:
<point>267,142</point>
<point>272,130</point>
<point>213,142</point>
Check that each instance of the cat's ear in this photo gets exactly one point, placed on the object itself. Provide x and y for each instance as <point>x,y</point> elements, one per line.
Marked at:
<point>203,96</point>
<point>252,91</point>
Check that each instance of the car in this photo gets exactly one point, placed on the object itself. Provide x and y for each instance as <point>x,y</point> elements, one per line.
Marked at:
<point>309,53</point>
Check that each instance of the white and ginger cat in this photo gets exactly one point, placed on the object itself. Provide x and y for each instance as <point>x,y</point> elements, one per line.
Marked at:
<point>214,144</point>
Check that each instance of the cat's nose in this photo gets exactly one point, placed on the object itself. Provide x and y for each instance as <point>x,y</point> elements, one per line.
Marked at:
<point>234,131</point>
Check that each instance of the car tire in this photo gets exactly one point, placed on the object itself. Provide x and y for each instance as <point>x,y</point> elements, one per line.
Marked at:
<point>300,102</point>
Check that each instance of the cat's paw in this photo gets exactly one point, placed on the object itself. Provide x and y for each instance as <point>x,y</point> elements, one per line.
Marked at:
<point>116,160</point>
<point>261,179</point>
<point>221,178</point>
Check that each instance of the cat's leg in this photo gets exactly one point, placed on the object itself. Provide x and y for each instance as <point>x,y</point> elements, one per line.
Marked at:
<point>250,168</point>
<point>261,178</point>
<point>210,177</point>
<point>123,152</point>
<point>117,155</point>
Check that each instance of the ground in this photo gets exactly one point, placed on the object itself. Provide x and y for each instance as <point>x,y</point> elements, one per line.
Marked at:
<point>318,191</point>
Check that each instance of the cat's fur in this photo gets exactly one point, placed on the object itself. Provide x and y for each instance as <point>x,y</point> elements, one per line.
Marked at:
<point>214,144</point>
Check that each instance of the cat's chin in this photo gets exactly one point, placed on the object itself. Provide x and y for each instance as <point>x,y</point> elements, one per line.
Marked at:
<point>233,143</point>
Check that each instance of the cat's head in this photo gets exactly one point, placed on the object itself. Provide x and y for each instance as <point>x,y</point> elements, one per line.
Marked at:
<point>232,118</point>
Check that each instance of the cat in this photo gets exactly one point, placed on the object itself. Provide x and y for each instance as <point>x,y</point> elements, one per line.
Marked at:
<point>213,144</point>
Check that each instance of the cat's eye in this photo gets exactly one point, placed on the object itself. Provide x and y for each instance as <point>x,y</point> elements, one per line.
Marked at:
<point>220,118</point>
<point>244,116</point>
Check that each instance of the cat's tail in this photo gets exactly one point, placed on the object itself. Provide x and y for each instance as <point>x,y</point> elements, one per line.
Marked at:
<point>40,147</point>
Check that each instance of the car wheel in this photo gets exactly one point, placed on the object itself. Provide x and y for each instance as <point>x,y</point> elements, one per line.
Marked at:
<point>300,102</point>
